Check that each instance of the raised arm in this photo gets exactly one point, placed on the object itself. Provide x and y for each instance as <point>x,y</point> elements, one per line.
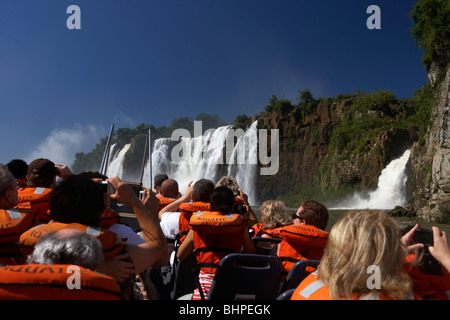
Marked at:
<point>172,207</point>
<point>154,251</point>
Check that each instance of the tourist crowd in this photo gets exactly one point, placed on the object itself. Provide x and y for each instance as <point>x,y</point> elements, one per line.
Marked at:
<point>53,221</point>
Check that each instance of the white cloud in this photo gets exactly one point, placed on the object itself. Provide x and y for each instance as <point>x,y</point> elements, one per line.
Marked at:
<point>62,144</point>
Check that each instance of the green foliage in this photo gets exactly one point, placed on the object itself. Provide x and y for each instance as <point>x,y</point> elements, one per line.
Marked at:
<point>241,122</point>
<point>368,114</point>
<point>281,107</point>
<point>432,31</point>
<point>305,96</point>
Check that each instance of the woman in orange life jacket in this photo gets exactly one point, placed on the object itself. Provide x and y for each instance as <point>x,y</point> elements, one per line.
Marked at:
<point>242,206</point>
<point>272,215</point>
<point>215,234</point>
<point>365,259</point>
<point>175,226</point>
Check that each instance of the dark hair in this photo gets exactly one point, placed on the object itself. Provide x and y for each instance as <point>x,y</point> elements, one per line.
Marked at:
<point>314,213</point>
<point>160,178</point>
<point>41,173</point>
<point>222,200</point>
<point>18,168</point>
<point>77,199</point>
<point>203,189</point>
<point>169,188</point>
<point>93,174</point>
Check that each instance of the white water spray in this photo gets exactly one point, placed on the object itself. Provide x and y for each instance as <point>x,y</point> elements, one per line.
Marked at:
<point>390,191</point>
<point>207,159</point>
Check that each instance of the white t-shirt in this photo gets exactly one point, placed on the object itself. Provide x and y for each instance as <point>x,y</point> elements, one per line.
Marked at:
<point>126,233</point>
<point>170,224</point>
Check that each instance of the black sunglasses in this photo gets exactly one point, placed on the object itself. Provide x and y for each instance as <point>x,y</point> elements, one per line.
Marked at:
<point>294,216</point>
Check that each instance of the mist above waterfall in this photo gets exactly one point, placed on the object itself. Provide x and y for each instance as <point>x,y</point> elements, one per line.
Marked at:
<point>390,191</point>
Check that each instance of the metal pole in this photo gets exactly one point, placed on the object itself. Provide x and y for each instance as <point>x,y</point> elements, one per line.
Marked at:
<point>143,160</point>
<point>150,157</point>
<point>105,160</point>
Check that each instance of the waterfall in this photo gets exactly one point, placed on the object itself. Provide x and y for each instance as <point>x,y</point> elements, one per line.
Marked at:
<point>390,191</point>
<point>115,167</point>
<point>245,170</point>
<point>206,156</point>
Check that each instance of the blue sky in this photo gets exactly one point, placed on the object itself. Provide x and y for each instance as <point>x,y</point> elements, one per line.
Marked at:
<point>150,61</point>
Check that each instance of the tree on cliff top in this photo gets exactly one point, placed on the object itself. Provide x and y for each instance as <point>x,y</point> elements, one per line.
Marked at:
<point>432,31</point>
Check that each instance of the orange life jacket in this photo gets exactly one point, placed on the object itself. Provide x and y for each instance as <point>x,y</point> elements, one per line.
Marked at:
<point>312,288</point>
<point>108,218</point>
<point>50,282</point>
<point>299,243</point>
<point>258,229</point>
<point>215,236</point>
<point>21,183</point>
<point>110,241</point>
<point>428,285</point>
<point>35,199</point>
<point>164,201</point>
<point>187,209</point>
<point>14,222</point>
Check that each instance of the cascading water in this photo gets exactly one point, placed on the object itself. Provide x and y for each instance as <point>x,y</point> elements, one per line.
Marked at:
<point>206,157</point>
<point>390,191</point>
<point>115,167</point>
<point>245,170</point>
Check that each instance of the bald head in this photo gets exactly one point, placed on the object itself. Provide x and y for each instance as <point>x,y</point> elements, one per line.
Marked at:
<point>169,188</point>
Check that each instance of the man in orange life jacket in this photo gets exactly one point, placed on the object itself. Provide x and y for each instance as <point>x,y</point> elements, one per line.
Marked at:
<point>175,216</point>
<point>305,238</point>
<point>41,178</point>
<point>168,193</point>
<point>13,221</point>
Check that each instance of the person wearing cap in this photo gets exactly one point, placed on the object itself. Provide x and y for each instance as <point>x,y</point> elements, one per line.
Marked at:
<point>40,179</point>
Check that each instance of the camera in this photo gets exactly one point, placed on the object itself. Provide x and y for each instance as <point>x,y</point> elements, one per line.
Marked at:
<point>107,187</point>
<point>428,263</point>
<point>239,208</point>
<point>424,236</point>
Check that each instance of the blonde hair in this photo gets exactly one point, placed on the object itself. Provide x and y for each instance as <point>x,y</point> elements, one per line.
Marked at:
<point>274,215</point>
<point>230,182</point>
<point>359,240</point>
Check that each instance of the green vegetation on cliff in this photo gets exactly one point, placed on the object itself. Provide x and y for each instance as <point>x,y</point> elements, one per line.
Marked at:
<point>432,31</point>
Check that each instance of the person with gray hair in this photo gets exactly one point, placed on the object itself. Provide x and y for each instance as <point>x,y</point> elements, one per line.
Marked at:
<point>68,246</point>
<point>8,189</point>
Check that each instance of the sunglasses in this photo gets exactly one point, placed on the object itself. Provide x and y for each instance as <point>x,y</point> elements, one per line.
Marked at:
<point>294,216</point>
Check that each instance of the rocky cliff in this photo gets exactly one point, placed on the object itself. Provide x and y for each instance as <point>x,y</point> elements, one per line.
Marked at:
<point>429,168</point>
<point>314,162</point>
